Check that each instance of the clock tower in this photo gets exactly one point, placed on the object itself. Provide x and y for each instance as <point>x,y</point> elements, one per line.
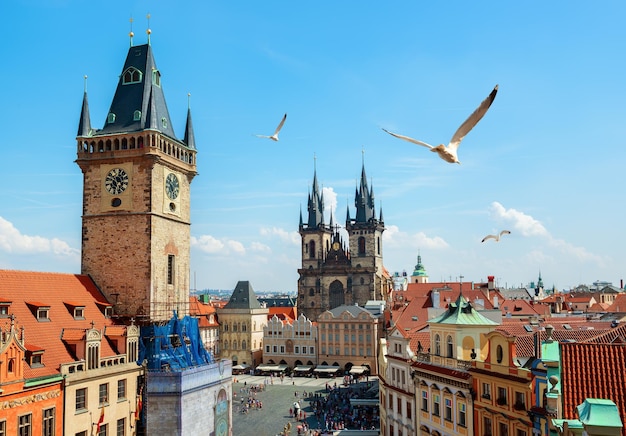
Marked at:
<point>136,196</point>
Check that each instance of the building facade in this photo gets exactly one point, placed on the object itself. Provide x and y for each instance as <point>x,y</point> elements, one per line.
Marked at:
<point>334,272</point>
<point>349,336</point>
<point>241,326</point>
<point>293,342</point>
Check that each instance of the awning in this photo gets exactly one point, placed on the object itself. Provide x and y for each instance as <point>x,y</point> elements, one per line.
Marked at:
<point>272,368</point>
<point>326,368</point>
<point>303,368</point>
<point>244,366</point>
<point>356,369</point>
<point>364,402</point>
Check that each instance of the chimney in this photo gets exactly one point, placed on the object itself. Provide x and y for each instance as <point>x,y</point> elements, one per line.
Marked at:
<point>435,297</point>
<point>490,283</point>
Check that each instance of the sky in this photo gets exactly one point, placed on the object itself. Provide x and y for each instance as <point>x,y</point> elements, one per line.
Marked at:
<point>545,162</point>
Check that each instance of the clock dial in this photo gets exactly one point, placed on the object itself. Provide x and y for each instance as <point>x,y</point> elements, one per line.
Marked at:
<point>172,186</point>
<point>116,181</point>
<point>336,246</point>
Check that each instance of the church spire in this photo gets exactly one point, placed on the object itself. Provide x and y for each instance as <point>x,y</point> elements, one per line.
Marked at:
<point>189,136</point>
<point>316,205</point>
<point>364,201</point>
<point>84,124</point>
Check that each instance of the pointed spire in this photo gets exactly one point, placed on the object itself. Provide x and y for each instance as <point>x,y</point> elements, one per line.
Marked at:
<point>151,116</point>
<point>381,219</point>
<point>301,224</point>
<point>348,215</point>
<point>84,124</point>
<point>364,201</point>
<point>316,205</point>
<point>189,136</point>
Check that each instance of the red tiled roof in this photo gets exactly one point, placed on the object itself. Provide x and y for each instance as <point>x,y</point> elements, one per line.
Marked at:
<point>593,371</point>
<point>285,311</point>
<point>619,304</point>
<point>616,335</point>
<point>52,288</point>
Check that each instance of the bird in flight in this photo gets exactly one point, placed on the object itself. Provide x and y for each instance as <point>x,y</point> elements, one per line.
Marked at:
<point>496,237</point>
<point>274,137</point>
<point>449,152</point>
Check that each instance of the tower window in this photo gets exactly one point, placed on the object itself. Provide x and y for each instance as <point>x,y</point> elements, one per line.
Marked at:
<point>131,75</point>
<point>170,269</point>
<point>312,250</point>
<point>137,116</point>
<point>361,245</point>
<point>164,122</point>
<point>156,77</point>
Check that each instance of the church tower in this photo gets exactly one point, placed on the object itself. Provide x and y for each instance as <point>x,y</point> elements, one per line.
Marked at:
<point>366,243</point>
<point>136,196</point>
<point>332,274</point>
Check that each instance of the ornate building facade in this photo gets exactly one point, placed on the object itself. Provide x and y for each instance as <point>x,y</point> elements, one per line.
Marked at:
<point>334,272</point>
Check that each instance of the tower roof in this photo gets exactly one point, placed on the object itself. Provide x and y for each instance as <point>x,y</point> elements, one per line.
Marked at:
<point>243,297</point>
<point>316,205</point>
<point>461,312</point>
<point>364,201</point>
<point>84,125</point>
<point>139,102</point>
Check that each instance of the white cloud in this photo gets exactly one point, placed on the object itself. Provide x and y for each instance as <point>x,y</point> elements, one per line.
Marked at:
<point>525,224</point>
<point>260,248</point>
<point>207,243</point>
<point>330,203</point>
<point>13,241</point>
<point>393,237</point>
<point>285,236</point>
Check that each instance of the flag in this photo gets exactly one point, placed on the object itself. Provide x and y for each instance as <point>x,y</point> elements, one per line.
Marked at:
<point>101,420</point>
<point>139,405</point>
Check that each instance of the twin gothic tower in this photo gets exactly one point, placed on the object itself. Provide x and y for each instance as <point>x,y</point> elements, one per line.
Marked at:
<point>333,272</point>
<point>136,197</point>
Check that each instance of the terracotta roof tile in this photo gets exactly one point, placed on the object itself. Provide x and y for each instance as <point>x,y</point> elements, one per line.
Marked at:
<point>52,289</point>
<point>589,371</point>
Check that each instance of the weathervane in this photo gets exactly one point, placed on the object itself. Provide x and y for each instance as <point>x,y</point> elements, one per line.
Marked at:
<point>131,34</point>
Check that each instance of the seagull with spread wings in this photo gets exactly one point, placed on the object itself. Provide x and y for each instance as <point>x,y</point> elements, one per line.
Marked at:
<point>274,137</point>
<point>496,237</point>
<point>449,152</point>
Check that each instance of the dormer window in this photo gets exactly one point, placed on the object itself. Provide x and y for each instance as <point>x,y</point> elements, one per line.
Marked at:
<point>110,118</point>
<point>131,75</point>
<point>79,313</point>
<point>156,78</point>
<point>164,122</point>
<point>137,116</point>
<point>4,309</point>
<point>35,358</point>
<point>43,314</point>
<point>105,308</point>
<point>40,311</point>
<point>76,310</point>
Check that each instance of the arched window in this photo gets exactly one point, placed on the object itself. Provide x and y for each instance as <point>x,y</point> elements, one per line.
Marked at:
<point>243,344</point>
<point>449,347</point>
<point>311,292</point>
<point>131,75</point>
<point>361,245</point>
<point>244,328</point>
<point>312,250</point>
<point>437,345</point>
<point>499,353</point>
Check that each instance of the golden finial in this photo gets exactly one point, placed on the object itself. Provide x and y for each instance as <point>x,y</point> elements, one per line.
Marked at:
<point>85,84</point>
<point>131,34</point>
<point>148,31</point>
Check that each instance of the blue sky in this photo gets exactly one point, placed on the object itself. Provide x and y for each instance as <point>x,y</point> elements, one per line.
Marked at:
<point>545,162</point>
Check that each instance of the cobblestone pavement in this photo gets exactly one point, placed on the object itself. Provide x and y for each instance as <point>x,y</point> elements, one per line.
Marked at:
<point>277,399</point>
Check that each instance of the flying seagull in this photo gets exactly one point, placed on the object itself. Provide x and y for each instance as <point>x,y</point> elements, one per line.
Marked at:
<point>496,237</point>
<point>448,153</point>
<point>274,137</point>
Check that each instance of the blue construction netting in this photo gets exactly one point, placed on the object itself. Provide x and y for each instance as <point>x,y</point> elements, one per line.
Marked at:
<point>174,346</point>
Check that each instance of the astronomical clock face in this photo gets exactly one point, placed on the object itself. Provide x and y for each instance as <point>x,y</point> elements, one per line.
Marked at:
<point>172,186</point>
<point>116,181</point>
<point>221,428</point>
